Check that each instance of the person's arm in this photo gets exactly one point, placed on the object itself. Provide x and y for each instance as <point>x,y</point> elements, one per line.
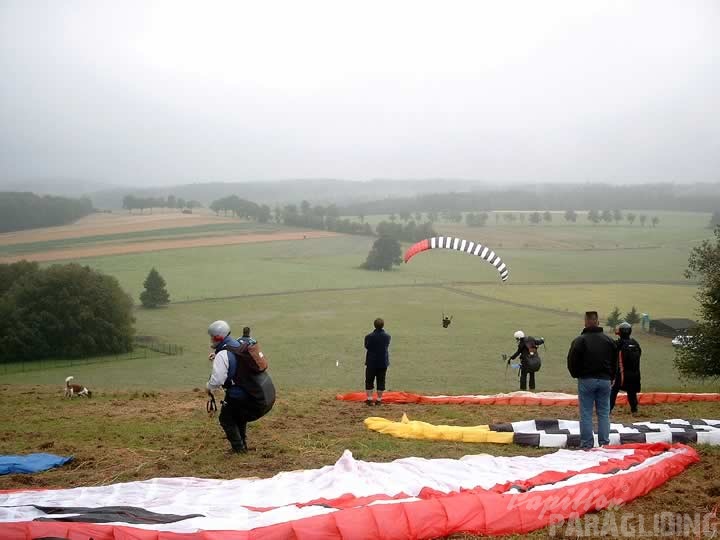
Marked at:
<point>521,346</point>
<point>367,338</point>
<point>574,355</point>
<point>219,373</point>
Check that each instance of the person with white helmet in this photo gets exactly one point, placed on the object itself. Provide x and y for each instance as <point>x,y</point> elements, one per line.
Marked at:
<point>249,395</point>
<point>527,350</point>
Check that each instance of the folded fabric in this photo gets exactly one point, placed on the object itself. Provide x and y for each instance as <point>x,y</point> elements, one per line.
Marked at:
<point>31,463</point>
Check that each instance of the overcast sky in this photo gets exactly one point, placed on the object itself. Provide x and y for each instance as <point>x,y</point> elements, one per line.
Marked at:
<point>171,92</point>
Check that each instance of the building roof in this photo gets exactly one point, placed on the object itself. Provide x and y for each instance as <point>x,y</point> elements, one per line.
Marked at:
<point>678,324</point>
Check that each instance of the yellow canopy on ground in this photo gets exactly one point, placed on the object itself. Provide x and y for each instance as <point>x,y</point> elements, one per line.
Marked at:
<point>414,429</point>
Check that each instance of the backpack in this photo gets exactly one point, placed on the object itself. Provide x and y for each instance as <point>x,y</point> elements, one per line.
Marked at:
<point>532,361</point>
<point>630,355</point>
<point>250,356</point>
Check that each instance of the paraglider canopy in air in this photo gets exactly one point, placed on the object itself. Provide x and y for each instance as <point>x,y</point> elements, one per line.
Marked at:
<point>460,244</point>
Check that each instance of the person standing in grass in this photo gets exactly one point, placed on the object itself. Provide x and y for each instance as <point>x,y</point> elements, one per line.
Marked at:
<point>628,373</point>
<point>377,360</point>
<point>592,360</point>
<point>249,393</point>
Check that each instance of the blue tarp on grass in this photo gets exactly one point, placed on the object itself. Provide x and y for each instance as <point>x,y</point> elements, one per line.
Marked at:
<point>31,463</point>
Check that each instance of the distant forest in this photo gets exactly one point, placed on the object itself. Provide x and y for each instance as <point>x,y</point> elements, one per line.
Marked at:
<point>20,211</point>
<point>484,195</point>
<point>546,197</point>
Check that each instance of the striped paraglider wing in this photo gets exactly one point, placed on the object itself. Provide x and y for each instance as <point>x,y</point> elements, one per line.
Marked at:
<point>460,244</point>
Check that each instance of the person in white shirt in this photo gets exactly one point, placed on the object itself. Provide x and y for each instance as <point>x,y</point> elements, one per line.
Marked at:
<point>248,395</point>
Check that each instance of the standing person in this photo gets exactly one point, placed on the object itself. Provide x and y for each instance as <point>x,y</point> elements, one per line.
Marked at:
<point>246,336</point>
<point>628,373</point>
<point>377,360</point>
<point>527,350</point>
<point>592,360</point>
<point>249,393</point>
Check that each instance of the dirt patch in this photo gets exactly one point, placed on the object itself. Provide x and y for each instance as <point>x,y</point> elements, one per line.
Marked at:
<point>159,245</point>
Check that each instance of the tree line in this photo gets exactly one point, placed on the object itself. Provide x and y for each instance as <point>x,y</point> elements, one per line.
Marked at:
<point>242,208</point>
<point>62,311</point>
<point>132,202</point>
<point>548,197</point>
<point>615,317</point>
<point>22,210</point>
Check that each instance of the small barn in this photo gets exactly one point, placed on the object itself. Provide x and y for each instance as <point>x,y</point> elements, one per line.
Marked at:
<point>671,327</point>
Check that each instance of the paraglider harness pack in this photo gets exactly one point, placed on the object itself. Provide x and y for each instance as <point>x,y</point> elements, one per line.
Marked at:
<point>531,361</point>
<point>249,356</point>
<point>247,371</point>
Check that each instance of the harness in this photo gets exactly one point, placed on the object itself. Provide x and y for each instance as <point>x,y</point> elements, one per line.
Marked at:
<point>211,405</point>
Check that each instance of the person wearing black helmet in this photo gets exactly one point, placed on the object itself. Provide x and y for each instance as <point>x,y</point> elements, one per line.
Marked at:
<point>627,377</point>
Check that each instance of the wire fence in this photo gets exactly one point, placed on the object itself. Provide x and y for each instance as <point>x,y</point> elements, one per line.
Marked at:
<point>143,349</point>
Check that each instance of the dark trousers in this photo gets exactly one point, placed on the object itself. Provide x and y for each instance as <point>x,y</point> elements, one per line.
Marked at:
<point>372,374</point>
<point>234,416</point>
<point>631,396</point>
<point>523,379</point>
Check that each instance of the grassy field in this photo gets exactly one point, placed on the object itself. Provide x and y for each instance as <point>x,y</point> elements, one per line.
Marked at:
<point>310,305</point>
<point>306,334</point>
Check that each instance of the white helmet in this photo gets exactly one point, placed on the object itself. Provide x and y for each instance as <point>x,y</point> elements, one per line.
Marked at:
<point>219,329</point>
<point>519,334</point>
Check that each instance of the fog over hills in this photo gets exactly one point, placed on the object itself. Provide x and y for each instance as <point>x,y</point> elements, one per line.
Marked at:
<point>166,93</point>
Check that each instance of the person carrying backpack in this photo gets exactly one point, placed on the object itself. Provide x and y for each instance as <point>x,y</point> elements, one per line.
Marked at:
<point>241,369</point>
<point>530,360</point>
<point>627,377</point>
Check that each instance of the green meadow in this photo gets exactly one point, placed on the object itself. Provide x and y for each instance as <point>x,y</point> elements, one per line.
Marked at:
<point>310,304</point>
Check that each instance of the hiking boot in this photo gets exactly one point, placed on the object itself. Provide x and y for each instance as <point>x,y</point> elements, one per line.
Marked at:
<point>378,402</point>
<point>368,402</point>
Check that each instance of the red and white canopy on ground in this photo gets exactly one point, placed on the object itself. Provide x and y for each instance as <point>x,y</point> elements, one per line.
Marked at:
<point>407,498</point>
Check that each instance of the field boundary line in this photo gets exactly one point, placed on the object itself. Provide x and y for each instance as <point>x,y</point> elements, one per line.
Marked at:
<point>485,298</point>
<point>448,286</point>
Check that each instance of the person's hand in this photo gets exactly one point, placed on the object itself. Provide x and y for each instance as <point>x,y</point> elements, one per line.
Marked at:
<point>211,356</point>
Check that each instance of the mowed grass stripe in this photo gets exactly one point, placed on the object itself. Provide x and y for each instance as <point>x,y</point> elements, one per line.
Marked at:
<point>152,234</point>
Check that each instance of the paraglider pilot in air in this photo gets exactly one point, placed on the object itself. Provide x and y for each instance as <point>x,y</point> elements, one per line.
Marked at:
<point>530,361</point>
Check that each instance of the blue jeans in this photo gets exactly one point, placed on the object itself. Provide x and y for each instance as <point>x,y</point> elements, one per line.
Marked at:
<point>594,392</point>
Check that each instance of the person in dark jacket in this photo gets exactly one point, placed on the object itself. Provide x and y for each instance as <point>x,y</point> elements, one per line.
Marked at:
<point>592,360</point>
<point>527,351</point>
<point>377,360</point>
<point>627,377</point>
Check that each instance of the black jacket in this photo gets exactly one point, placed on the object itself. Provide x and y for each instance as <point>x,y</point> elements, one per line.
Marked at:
<point>523,351</point>
<point>628,375</point>
<point>592,355</point>
<point>377,343</point>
